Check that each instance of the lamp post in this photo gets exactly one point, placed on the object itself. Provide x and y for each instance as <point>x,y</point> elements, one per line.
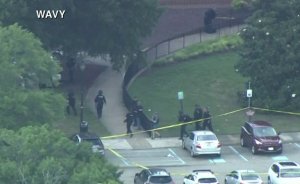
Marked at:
<point>180,97</point>
<point>82,68</point>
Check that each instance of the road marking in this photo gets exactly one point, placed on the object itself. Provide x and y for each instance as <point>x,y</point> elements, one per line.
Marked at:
<point>280,158</point>
<point>236,152</point>
<point>297,145</point>
<point>120,156</point>
<point>176,156</point>
<point>217,160</point>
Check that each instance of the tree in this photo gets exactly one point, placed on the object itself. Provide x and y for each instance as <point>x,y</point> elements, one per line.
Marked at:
<point>42,155</point>
<point>270,53</point>
<point>112,27</point>
<point>25,65</point>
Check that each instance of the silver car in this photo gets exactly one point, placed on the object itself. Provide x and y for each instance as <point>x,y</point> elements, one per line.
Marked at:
<point>243,176</point>
<point>201,142</point>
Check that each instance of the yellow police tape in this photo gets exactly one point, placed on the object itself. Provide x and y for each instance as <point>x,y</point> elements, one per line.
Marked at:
<point>172,126</point>
<point>200,120</point>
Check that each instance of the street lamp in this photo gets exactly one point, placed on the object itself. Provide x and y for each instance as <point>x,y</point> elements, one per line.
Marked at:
<point>82,68</point>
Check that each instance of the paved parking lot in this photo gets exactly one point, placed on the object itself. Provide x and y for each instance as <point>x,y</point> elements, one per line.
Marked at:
<point>179,162</point>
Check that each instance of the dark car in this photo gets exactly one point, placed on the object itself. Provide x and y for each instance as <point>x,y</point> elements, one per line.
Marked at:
<point>153,176</point>
<point>97,145</point>
<point>260,136</point>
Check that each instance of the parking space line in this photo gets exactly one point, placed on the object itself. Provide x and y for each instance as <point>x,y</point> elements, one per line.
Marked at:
<point>236,152</point>
<point>297,145</point>
<point>176,156</point>
<point>217,160</point>
<point>124,160</point>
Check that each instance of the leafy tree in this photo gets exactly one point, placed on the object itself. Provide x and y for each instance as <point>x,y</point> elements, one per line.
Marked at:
<point>97,27</point>
<point>25,65</point>
<point>270,53</point>
<point>42,155</point>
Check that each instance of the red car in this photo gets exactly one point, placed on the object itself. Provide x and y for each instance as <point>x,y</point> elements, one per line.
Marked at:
<point>260,136</point>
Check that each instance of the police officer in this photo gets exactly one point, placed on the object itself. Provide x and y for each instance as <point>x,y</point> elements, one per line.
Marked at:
<point>129,120</point>
<point>197,116</point>
<point>71,104</point>
<point>207,120</point>
<point>99,101</point>
<point>183,118</point>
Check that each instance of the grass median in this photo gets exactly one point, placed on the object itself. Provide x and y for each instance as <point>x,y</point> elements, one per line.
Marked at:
<point>210,81</point>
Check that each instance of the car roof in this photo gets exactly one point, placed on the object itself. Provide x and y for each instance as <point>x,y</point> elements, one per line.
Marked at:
<point>204,173</point>
<point>203,132</point>
<point>259,123</point>
<point>288,164</point>
<point>158,172</point>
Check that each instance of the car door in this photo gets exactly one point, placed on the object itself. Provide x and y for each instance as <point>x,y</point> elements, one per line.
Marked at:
<point>141,177</point>
<point>274,174</point>
<point>248,134</point>
<point>190,141</point>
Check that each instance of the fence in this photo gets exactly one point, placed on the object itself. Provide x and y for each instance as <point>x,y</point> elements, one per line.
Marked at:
<point>224,27</point>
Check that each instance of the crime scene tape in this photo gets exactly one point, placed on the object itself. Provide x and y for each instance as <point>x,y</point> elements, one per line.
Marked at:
<point>283,112</point>
<point>177,124</point>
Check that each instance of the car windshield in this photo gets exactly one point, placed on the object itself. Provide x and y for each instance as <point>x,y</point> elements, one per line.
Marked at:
<point>290,173</point>
<point>207,180</point>
<point>95,142</point>
<point>249,176</point>
<point>206,138</point>
<point>160,179</point>
<point>264,131</point>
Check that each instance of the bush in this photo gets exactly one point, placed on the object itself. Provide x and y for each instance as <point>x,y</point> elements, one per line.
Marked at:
<point>207,47</point>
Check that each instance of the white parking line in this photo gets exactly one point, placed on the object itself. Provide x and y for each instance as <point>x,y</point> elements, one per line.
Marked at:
<point>240,155</point>
<point>297,145</point>
<point>176,156</point>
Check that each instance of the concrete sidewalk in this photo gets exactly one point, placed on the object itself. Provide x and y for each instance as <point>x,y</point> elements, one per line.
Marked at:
<point>123,143</point>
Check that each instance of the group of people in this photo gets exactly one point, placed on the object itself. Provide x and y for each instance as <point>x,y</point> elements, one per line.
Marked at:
<point>201,114</point>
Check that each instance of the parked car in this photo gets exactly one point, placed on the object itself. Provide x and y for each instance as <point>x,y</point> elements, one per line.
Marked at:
<point>260,136</point>
<point>243,176</point>
<point>201,176</point>
<point>286,172</point>
<point>97,145</point>
<point>201,142</point>
<point>153,176</point>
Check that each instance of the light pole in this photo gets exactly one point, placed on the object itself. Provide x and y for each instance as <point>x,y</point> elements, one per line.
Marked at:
<point>82,68</point>
<point>180,96</point>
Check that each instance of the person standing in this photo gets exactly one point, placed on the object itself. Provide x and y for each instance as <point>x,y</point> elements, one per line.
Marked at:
<point>99,102</point>
<point>129,121</point>
<point>71,104</point>
<point>207,120</point>
<point>154,125</point>
<point>139,111</point>
<point>183,118</point>
<point>197,116</point>
<point>135,110</point>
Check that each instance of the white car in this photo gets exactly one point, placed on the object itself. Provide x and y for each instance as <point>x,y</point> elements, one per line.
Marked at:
<point>201,176</point>
<point>201,142</point>
<point>286,172</point>
<point>243,176</point>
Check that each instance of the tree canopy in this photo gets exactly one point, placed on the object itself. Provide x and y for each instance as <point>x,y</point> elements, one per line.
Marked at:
<point>270,53</point>
<point>25,65</point>
<point>42,155</point>
<point>112,27</point>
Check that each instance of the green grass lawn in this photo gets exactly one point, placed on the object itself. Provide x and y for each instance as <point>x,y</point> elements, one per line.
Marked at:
<point>210,81</point>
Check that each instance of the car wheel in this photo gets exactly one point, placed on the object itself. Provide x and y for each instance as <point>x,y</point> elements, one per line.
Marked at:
<point>192,152</point>
<point>242,142</point>
<point>253,150</point>
<point>182,144</point>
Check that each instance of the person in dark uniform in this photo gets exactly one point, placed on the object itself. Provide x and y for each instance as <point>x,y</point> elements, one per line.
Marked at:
<point>183,118</point>
<point>207,120</point>
<point>135,111</point>
<point>197,116</point>
<point>139,111</point>
<point>129,121</point>
<point>71,104</point>
<point>99,101</point>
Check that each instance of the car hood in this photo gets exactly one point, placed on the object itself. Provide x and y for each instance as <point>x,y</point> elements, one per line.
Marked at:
<point>268,139</point>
